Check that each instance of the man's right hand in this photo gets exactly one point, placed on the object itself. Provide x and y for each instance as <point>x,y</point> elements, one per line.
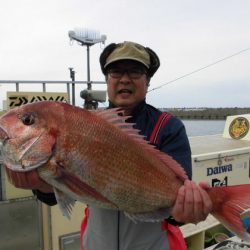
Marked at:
<point>28,180</point>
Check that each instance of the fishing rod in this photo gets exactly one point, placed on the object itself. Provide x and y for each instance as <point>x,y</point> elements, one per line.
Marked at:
<point>197,70</point>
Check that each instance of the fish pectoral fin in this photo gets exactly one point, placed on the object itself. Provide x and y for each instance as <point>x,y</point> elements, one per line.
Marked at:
<point>58,176</point>
<point>64,202</point>
<point>154,216</point>
<point>80,188</point>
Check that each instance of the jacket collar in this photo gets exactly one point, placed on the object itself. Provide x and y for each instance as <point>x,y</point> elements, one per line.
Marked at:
<point>136,111</point>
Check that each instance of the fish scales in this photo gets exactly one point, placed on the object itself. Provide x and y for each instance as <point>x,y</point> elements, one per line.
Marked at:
<point>118,162</point>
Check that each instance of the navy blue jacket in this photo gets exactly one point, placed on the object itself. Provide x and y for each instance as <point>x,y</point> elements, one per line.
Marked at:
<point>172,139</point>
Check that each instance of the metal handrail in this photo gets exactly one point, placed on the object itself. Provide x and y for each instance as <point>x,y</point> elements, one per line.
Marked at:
<point>44,82</point>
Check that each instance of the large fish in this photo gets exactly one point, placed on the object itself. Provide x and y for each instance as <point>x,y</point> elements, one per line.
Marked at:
<point>98,159</point>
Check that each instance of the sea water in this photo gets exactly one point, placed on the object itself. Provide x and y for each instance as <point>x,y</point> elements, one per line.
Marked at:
<point>204,127</point>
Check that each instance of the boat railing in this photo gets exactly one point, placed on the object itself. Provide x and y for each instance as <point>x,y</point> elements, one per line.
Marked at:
<point>70,85</point>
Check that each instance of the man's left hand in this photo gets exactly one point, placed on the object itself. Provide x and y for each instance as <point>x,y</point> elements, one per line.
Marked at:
<point>192,204</point>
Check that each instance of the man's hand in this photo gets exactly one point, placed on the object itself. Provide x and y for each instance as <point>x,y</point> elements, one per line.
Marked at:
<point>192,204</point>
<point>28,180</point>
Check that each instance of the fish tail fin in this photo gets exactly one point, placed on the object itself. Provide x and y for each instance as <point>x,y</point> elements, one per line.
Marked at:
<point>228,205</point>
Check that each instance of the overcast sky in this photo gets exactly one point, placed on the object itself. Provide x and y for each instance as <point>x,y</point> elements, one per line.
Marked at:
<point>186,34</point>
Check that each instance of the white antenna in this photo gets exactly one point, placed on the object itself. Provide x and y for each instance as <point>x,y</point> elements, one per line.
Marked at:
<point>87,37</point>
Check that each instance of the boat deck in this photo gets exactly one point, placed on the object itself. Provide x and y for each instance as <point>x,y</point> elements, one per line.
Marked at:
<point>201,145</point>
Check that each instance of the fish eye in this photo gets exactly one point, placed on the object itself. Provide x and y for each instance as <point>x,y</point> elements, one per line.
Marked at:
<point>28,119</point>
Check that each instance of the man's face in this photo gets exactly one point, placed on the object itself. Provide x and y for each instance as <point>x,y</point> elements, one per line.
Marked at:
<point>127,83</point>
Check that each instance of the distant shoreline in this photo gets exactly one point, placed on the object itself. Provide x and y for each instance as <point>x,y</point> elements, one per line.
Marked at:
<point>206,113</point>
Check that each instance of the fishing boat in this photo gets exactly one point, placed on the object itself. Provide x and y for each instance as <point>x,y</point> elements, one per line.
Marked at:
<point>221,160</point>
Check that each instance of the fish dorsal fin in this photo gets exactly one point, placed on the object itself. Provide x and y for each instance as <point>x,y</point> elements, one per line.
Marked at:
<point>115,116</point>
<point>174,165</point>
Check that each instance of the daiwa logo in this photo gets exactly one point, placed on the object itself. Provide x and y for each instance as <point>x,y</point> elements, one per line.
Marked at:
<point>219,169</point>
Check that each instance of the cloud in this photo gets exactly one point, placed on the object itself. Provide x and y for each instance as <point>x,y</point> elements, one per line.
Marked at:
<point>186,34</point>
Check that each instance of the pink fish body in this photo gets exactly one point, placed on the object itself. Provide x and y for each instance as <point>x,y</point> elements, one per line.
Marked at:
<point>98,159</point>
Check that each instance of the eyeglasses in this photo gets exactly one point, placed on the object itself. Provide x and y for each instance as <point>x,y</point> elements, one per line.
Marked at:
<point>132,73</point>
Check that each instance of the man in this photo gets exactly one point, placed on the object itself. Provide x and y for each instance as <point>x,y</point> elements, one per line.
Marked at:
<point>128,68</point>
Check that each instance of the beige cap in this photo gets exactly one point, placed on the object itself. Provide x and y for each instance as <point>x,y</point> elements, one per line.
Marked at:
<point>129,51</point>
